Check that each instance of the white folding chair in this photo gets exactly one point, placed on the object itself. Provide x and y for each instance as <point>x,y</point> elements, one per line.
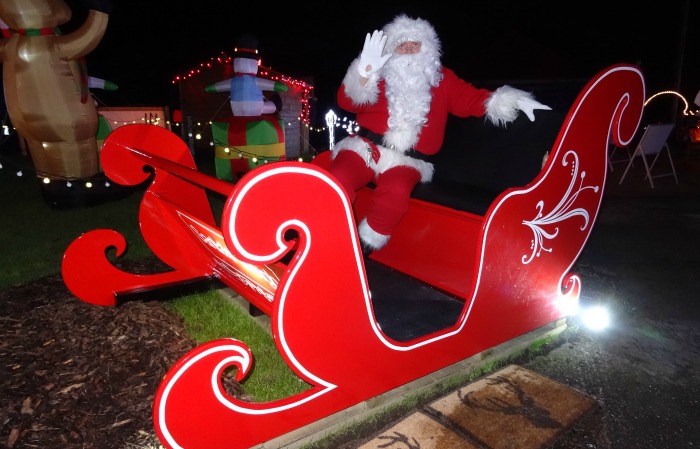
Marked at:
<point>653,142</point>
<point>613,159</point>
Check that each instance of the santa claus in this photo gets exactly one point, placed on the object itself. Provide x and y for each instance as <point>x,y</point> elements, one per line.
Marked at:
<point>402,95</point>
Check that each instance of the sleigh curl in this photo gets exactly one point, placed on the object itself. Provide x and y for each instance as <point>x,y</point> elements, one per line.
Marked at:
<point>471,266</point>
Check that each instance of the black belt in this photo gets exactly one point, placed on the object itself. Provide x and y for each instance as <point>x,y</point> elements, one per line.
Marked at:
<point>371,136</point>
<point>378,139</point>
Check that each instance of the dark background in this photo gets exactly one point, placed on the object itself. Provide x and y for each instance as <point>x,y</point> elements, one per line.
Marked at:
<point>148,43</point>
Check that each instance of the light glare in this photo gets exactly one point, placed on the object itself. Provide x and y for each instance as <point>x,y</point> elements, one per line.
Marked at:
<point>596,318</point>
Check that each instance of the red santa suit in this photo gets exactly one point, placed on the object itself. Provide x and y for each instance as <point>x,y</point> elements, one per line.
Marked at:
<point>402,110</point>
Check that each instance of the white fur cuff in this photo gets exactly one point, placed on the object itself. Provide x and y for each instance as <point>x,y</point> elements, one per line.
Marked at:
<point>502,106</point>
<point>354,89</point>
<point>370,237</point>
<point>388,159</point>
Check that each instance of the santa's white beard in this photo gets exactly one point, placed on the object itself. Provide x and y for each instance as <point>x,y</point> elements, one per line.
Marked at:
<point>408,95</point>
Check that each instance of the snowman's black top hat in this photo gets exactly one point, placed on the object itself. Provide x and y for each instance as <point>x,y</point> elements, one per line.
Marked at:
<point>246,46</point>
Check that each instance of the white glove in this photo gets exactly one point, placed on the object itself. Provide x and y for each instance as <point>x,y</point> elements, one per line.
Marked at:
<point>528,105</point>
<point>371,59</point>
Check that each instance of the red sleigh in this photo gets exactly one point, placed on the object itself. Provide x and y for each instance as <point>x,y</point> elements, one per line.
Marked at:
<point>488,278</point>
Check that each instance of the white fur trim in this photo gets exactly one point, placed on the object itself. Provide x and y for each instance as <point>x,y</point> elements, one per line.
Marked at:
<point>404,28</point>
<point>354,89</point>
<point>370,237</point>
<point>502,106</point>
<point>388,158</point>
<point>352,143</point>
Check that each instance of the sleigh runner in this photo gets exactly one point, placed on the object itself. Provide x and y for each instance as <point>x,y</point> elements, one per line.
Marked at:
<point>479,279</point>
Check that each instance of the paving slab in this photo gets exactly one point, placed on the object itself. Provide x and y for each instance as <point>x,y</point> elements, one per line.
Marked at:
<point>513,408</point>
<point>419,431</point>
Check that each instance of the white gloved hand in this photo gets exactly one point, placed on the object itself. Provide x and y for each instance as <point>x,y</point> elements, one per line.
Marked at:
<point>528,105</point>
<point>371,59</point>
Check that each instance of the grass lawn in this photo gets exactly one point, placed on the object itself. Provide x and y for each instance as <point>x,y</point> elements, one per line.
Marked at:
<point>35,235</point>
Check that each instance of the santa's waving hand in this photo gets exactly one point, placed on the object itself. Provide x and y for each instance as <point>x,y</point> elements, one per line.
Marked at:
<point>371,58</point>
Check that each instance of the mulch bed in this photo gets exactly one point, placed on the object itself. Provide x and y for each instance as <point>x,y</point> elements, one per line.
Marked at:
<point>78,376</point>
<point>75,375</point>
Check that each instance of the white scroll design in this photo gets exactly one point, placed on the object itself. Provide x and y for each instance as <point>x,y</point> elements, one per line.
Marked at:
<point>564,210</point>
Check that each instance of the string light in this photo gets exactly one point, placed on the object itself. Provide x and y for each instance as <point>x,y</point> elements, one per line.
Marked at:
<point>253,157</point>
<point>265,72</point>
<point>201,129</point>
<point>53,181</point>
<point>672,92</point>
<point>131,122</point>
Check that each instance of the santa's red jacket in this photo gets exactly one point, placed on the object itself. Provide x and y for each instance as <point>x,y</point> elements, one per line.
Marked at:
<point>452,96</point>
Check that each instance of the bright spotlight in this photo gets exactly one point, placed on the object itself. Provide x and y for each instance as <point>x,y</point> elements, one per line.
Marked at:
<point>596,318</point>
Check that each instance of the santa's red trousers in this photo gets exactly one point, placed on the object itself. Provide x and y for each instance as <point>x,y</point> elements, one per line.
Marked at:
<point>392,193</point>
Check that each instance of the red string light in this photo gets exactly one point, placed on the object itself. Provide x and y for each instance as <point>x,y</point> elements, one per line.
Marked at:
<point>265,72</point>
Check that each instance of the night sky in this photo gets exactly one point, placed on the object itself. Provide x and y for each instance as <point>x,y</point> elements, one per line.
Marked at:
<point>147,43</point>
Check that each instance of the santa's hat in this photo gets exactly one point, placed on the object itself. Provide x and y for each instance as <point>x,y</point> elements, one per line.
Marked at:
<point>406,29</point>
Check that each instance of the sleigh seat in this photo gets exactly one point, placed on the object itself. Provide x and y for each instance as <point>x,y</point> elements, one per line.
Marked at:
<point>478,162</point>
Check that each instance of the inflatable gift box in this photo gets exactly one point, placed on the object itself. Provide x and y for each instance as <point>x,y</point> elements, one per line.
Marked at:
<point>240,139</point>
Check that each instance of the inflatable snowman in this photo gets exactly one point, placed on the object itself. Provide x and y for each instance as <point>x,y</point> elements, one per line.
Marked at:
<point>255,133</point>
<point>246,88</point>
